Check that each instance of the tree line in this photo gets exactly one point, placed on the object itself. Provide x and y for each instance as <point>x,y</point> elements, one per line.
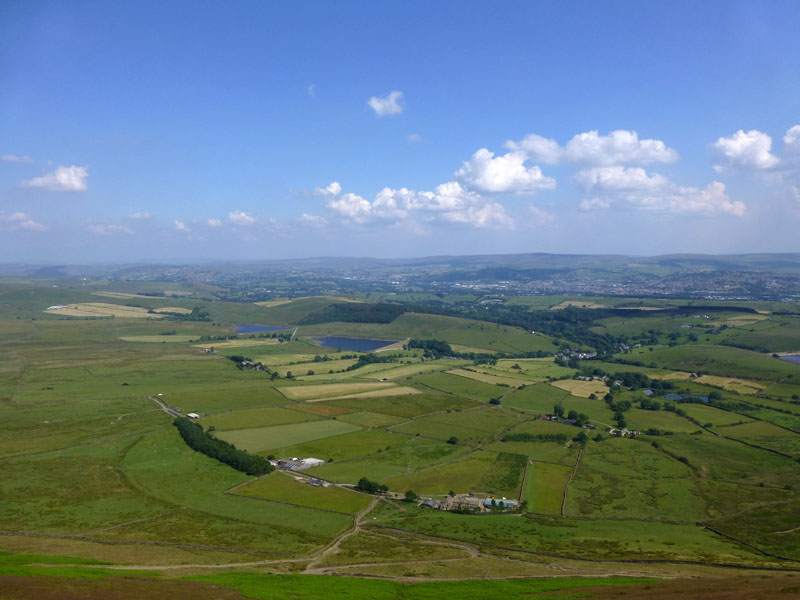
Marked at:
<point>202,441</point>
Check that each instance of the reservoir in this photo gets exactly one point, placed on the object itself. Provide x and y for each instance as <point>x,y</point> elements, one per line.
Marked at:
<point>258,328</point>
<point>792,358</point>
<point>357,344</point>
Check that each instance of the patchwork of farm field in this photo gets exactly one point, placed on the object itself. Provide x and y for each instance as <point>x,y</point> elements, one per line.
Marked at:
<point>102,309</point>
<point>94,470</point>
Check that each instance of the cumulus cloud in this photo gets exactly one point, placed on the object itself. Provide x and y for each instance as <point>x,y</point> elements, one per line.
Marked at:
<point>390,105</point>
<point>619,178</point>
<point>414,138</point>
<point>214,223</point>
<point>710,200</point>
<point>103,229</point>
<point>240,218</point>
<point>745,150</point>
<point>334,188</point>
<point>181,226</point>
<point>791,141</point>
<point>351,206</point>
<point>592,149</point>
<point>502,174</point>
<point>449,202</point>
<point>140,216</point>
<point>21,220</point>
<point>311,89</point>
<point>16,158</point>
<point>63,179</point>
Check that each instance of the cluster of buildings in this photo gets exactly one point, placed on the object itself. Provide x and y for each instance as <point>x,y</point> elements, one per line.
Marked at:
<point>624,432</point>
<point>467,502</point>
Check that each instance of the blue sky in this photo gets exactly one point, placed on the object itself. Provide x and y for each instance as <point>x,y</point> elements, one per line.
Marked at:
<point>251,130</point>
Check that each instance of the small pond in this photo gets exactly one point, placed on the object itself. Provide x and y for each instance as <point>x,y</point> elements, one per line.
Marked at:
<point>357,344</point>
<point>792,358</point>
<point>258,328</point>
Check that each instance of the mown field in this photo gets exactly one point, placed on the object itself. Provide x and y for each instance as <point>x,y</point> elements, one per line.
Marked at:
<point>94,471</point>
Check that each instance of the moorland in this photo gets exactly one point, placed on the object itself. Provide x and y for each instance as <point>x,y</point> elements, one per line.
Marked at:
<point>563,443</point>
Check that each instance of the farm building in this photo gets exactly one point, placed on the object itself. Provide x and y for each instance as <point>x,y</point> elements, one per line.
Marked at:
<point>193,415</point>
<point>430,503</point>
<point>500,502</point>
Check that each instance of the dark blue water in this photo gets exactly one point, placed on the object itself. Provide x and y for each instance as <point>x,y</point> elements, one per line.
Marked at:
<point>682,396</point>
<point>792,358</point>
<point>357,344</point>
<point>257,328</point>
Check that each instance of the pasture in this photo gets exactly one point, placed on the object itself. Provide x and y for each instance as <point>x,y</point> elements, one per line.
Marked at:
<point>582,389</point>
<point>544,487</point>
<point>89,456</point>
<point>481,472</point>
<point>256,417</point>
<point>285,488</point>
<point>405,456</point>
<point>720,360</point>
<point>260,439</point>
<point>488,378</point>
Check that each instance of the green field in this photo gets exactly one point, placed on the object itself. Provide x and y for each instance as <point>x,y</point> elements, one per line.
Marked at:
<point>404,456</point>
<point>282,488</point>
<point>94,472</point>
<point>544,487</point>
<point>259,439</point>
<point>256,417</point>
<point>720,360</point>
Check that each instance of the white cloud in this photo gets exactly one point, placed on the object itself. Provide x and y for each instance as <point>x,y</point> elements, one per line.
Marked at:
<point>390,105</point>
<point>16,158</point>
<point>791,141</point>
<point>313,220</point>
<point>31,225</point>
<point>591,204</point>
<point>745,150</point>
<point>352,207</point>
<point>181,226</point>
<point>690,200</point>
<point>540,217</point>
<point>414,138</point>
<point>590,148</point>
<point>140,216</point>
<point>334,188</point>
<point>618,178</point>
<point>490,214</point>
<point>449,202</point>
<point>214,223</point>
<point>21,220</point>
<point>311,89</point>
<point>240,218</point>
<point>101,229</point>
<point>538,148</point>
<point>63,179</point>
<point>506,173</point>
